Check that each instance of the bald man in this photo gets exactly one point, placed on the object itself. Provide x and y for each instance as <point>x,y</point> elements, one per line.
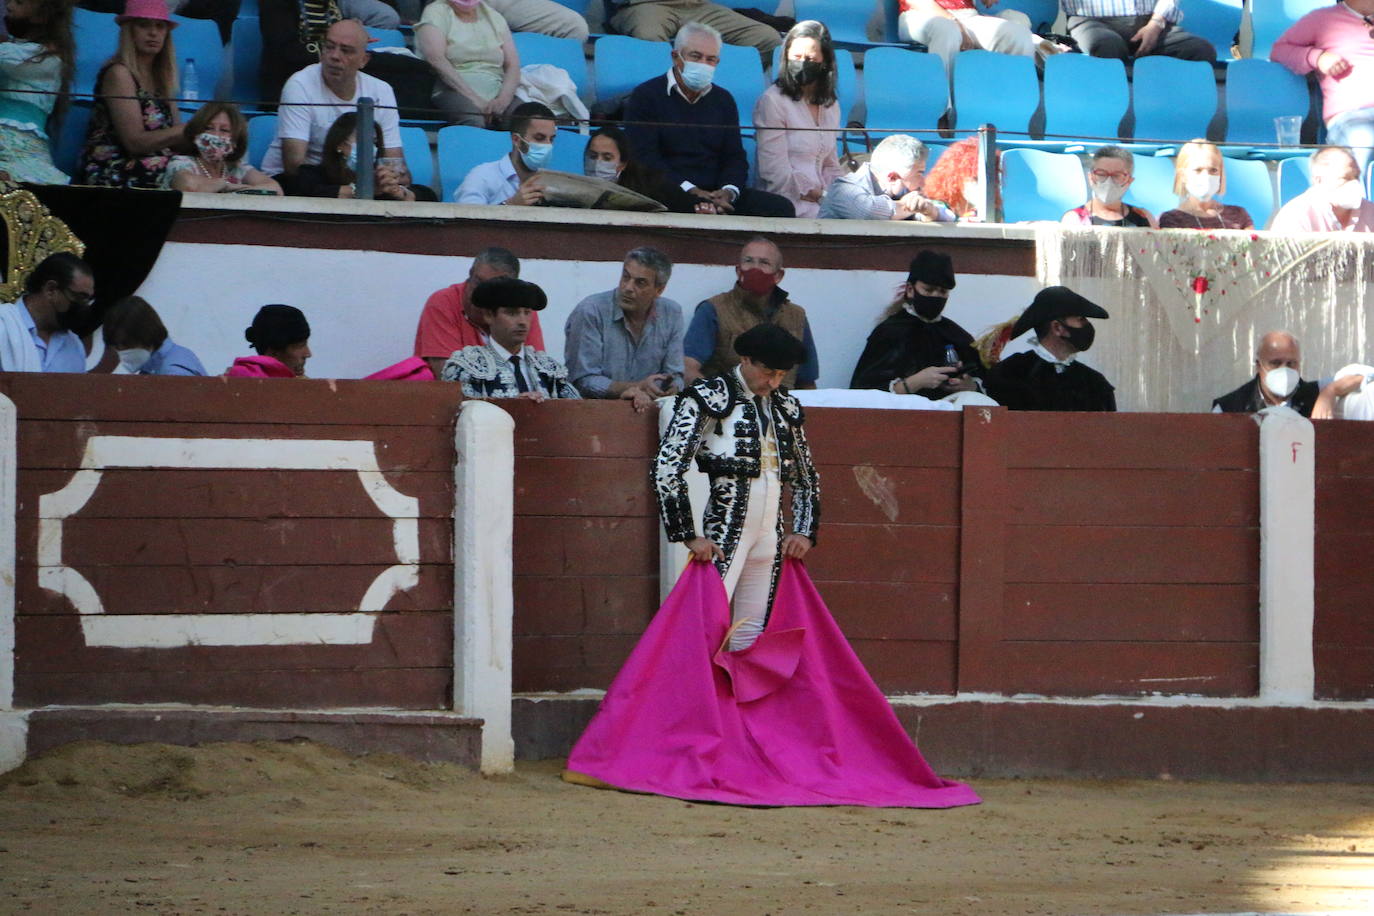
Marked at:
<point>1278,360</point>
<point>314,98</point>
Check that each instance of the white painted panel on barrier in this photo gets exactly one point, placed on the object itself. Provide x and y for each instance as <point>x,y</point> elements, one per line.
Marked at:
<point>1288,492</point>
<point>9,505</point>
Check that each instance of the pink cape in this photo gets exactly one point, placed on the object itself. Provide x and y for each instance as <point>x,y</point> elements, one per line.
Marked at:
<point>410,369</point>
<point>792,720</point>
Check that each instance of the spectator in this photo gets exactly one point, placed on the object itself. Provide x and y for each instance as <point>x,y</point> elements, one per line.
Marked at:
<point>336,174</point>
<point>450,322</point>
<point>505,366</point>
<point>1278,360</point>
<point>469,46</point>
<point>1049,376</point>
<point>281,335</point>
<point>512,179</point>
<point>1110,174</point>
<point>608,157</point>
<point>39,55</point>
<point>1349,396</point>
<point>1131,29</point>
<point>887,186</point>
<point>947,27</point>
<point>915,349</point>
<point>627,342</point>
<point>1199,178</point>
<point>133,329</point>
<point>134,128</point>
<point>660,20</point>
<point>222,12</point>
<point>702,152</point>
<point>294,35</point>
<point>709,345</point>
<point>1334,203</point>
<point>800,164</point>
<point>219,135</point>
<point>954,181</point>
<point>317,96</point>
<point>35,333</point>
<point>1337,41</point>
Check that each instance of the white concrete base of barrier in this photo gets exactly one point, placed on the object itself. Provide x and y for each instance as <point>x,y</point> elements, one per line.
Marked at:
<point>14,739</point>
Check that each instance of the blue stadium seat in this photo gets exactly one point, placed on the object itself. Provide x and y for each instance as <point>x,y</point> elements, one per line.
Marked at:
<point>461,148</point>
<point>1042,13</point>
<point>999,89</point>
<point>1037,185</point>
<point>71,137</point>
<point>847,86</point>
<point>1250,184</point>
<point>246,43</point>
<point>577,6</point>
<point>1153,187</point>
<point>741,72</point>
<point>1270,18</point>
<point>1174,99</point>
<point>567,53</point>
<point>904,90</point>
<point>385,38</point>
<point>1295,177</point>
<point>621,63</point>
<point>1257,92</point>
<point>248,8</point>
<point>1218,21</point>
<point>199,40</point>
<point>1084,96</point>
<point>96,37</point>
<point>261,130</point>
<point>847,20</point>
<point>419,157</point>
<point>569,149</point>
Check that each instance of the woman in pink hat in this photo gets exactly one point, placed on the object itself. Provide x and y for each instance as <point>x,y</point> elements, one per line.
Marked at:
<point>135,130</point>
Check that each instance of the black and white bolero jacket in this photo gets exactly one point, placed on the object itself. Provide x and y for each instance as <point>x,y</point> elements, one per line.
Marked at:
<point>483,374</point>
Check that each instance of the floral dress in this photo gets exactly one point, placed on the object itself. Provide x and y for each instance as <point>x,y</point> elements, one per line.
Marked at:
<point>24,149</point>
<point>104,161</point>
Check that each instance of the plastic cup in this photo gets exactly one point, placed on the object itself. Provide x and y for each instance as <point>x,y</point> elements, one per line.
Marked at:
<point>1289,130</point>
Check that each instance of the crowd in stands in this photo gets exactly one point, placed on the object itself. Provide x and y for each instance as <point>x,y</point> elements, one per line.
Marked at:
<point>684,136</point>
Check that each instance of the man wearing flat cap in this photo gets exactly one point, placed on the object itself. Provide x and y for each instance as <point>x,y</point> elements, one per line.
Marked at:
<point>916,349</point>
<point>745,432</point>
<point>1049,375</point>
<point>504,367</point>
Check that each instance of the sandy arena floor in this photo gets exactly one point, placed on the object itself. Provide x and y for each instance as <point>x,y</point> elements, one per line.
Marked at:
<point>298,828</point>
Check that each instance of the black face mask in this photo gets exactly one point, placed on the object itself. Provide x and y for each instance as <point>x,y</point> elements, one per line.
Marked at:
<point>76,318</point>
<point>1081,338</point>
<point>927,307</point>
<point>805,72</point>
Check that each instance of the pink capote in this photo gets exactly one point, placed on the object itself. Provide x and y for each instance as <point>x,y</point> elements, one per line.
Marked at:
<point>792,720</point>
<point>410,369</point>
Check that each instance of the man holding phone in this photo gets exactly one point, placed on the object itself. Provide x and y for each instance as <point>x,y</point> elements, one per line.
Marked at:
<point>916,349</point>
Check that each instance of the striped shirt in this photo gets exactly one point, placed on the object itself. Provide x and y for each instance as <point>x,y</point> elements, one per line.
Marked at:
<point>1100,9</point>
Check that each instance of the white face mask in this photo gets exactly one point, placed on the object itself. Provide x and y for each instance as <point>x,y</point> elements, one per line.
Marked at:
<point>1108,191</point>
<point>134,359</point>
<point>600,168</point>
<point>1281,382</point>
<point>1203,186</point>
<point>1347,196</point>
<point>973,193</point>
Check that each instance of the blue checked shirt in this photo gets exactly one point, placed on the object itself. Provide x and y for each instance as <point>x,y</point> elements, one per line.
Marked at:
<point>1098,9</point>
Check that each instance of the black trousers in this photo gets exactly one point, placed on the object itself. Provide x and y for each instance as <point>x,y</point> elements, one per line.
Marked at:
<point>1109,36</point>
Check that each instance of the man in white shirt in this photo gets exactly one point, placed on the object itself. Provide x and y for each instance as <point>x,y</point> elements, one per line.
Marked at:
<point>512,179</point>
<point>1334,203</point>
<point>34,335</point>
<point>314,98</point>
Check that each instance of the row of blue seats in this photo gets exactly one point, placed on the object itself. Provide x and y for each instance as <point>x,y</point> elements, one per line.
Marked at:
<point>1040,185</point>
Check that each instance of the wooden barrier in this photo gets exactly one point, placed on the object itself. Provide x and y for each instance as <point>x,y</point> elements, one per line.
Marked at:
<point>1343,636</point>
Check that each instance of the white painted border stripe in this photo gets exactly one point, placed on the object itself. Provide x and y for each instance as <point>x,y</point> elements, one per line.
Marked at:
<point>172,631</point>
<point>9,505</point>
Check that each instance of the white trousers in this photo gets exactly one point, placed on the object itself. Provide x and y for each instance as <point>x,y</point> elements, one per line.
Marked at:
<point>750,575</point>
<point>1007,33</point>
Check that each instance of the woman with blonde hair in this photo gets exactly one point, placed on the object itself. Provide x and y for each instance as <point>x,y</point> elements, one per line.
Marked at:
<point>1199,180</point>
<point>135,129</point>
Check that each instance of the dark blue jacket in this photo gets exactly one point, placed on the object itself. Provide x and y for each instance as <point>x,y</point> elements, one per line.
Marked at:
<point>709,158</point>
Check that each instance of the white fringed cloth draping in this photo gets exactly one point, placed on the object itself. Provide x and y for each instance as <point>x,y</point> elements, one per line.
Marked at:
<point>1187,307</point>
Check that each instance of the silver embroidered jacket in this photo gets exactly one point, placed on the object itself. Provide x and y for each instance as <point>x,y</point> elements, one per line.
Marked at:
<point>714,423</point>
<point>485,375</point>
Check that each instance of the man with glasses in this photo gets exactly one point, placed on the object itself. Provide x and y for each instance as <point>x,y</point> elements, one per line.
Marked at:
<point>887,186</point>
<point>1109,175</point>
<point>35,333</point>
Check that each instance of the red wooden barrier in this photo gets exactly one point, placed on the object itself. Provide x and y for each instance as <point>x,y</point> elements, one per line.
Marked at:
<point>1344,633</point>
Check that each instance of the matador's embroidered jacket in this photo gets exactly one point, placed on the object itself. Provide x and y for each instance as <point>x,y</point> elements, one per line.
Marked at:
<point>485,375</point>
<point>714,422</point>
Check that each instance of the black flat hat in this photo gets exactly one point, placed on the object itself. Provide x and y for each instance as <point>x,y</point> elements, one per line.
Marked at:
<point>933,267</point>
<point>770,345</point>
<point>1055,302</point>
<point>509,292</point>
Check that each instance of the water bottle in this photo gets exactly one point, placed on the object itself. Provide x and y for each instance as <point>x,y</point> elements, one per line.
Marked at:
<point>190,81</point>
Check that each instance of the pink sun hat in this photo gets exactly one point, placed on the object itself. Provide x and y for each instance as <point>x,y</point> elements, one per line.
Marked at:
<point>146,9</point>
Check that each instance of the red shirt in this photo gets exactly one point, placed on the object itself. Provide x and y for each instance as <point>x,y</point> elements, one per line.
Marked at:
<point>444,326</point>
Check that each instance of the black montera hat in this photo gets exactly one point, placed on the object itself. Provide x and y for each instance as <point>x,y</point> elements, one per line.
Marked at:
<point>508,292</point>
<point>1055,302</point>
<point>933,267</point>
<point>276,327</point>
<point>770,345</point>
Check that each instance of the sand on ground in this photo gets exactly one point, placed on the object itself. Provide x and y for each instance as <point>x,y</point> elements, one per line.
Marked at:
<point>300,828</point>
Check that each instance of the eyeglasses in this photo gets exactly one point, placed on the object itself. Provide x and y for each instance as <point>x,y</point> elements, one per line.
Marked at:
<point>1118,177</point>
<point>697,57</point>
<point>76,298</point>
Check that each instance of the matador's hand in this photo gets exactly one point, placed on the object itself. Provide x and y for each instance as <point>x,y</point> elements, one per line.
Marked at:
<point>704,550</point>
<point>796,546</point>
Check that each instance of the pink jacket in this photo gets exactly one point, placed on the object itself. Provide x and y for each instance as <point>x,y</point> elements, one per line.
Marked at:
<point>259,367</point>
<point>1331,28</point>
